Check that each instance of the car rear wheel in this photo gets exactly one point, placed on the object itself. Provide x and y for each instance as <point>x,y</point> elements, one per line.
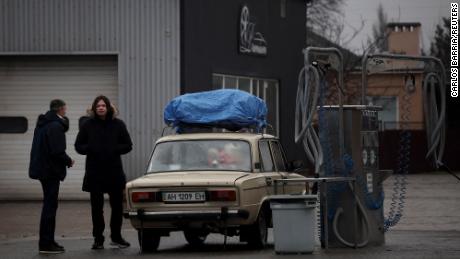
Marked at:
<point>258,232</point>
<point>195,237</point>
<point>148,240</point>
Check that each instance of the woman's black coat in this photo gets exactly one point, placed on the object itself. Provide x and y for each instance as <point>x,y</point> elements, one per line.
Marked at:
<point>103,141</point>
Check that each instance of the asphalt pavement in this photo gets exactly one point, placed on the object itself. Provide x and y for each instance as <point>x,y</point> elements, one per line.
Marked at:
<point>430,228</point>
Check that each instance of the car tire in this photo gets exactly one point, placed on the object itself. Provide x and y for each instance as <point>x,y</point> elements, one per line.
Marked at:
<point>258,232</point>
<point>148,240</point>
<point>195,237</point>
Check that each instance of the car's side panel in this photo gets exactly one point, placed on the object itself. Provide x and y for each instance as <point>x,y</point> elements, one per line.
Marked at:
<point>254,191</point>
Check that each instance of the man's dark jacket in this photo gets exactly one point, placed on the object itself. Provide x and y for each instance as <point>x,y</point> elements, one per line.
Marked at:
<point>103,142</point>
<point>48,159</point>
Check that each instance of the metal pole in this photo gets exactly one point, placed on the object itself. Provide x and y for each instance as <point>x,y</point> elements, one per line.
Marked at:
<point>340,86</point>
<point>355,214</point>
<point>325,219</point>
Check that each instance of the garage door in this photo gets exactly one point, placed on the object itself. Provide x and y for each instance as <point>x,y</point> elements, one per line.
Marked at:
<point>27,84</point>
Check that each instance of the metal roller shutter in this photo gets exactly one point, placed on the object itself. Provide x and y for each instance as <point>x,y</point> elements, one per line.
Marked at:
<point>27,84</point>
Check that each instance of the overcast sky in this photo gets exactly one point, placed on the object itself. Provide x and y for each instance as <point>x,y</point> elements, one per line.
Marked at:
<point>427,12</point>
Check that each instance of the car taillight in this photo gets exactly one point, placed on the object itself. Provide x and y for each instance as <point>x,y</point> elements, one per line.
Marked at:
<point>143,196</point>
<point>222,195</point>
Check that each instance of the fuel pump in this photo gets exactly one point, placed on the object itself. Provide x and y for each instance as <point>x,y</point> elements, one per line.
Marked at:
<point>346,142</point>
<point>337,145</point>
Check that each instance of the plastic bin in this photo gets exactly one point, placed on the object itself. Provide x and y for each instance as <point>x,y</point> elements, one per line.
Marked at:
<point>294,223</point>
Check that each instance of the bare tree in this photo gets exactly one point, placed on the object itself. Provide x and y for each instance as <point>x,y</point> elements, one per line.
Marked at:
<point>323,16</point>
<point>440,48</point>
<point>440,45</point>
<point>377,43</point>
<point>379,40</point>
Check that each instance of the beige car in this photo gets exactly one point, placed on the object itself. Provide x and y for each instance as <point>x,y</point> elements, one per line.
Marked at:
<point>205,183</point>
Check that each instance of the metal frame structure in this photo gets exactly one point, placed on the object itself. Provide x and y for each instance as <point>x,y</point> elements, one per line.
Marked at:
<point>305,109</point>
<point>436,132</point>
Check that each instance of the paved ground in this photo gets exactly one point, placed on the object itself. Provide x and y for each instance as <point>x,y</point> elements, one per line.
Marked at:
<point>429,229</point>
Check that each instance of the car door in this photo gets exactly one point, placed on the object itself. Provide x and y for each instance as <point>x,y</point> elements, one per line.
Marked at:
<point>281,166</point>
<point>268,168</point>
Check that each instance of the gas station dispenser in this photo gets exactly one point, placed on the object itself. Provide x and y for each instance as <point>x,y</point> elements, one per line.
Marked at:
<point>360,160</point>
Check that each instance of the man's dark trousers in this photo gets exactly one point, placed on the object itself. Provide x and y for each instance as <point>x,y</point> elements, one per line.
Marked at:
<point>97,213</point>
<point>50,204</point>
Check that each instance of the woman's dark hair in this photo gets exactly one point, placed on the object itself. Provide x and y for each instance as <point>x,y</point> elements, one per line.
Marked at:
<point>109,106</point>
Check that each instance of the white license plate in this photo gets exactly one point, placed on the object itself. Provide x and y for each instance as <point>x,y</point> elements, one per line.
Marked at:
<point>184,196</point>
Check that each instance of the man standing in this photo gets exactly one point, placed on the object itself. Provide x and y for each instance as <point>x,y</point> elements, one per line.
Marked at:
<point>103,139</point>
<point>48,162</point>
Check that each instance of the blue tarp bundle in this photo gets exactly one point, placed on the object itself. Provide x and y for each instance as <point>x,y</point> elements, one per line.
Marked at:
<point>230,109</point>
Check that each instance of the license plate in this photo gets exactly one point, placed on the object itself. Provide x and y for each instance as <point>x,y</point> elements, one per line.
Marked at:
<point>184,196</point>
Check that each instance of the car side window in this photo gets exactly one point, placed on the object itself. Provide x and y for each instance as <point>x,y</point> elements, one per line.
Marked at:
<point>278,156</point>
<point>266,157</point>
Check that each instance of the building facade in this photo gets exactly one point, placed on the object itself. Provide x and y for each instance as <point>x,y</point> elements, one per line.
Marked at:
<point>141,54</point>
<point>397,86</point>
<point>252,45</point>
<point>75,50</point>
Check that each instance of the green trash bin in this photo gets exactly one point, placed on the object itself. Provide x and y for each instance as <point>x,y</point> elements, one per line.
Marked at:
<point>294,223</point>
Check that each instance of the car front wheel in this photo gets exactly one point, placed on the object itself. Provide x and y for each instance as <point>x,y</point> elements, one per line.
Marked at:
<point>148,240</point>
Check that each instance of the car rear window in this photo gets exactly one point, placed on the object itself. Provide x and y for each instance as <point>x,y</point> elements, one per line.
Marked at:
<point>201,155</point>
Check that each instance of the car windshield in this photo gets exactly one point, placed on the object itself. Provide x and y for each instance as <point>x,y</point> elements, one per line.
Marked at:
<point>197,155</point>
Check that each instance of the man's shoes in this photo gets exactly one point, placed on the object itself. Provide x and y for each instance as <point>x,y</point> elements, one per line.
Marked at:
<point>97,245</point>
<point>51,249</point>
<point>58,245</point>
<point>120,243</point>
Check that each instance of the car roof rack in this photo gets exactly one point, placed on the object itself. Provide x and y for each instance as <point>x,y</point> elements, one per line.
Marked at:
<point>205,128</point>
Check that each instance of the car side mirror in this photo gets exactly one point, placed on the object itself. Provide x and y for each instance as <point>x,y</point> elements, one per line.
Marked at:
<point>296,165</point>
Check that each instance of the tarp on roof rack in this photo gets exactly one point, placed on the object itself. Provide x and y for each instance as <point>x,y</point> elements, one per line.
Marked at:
<point>229,109</point>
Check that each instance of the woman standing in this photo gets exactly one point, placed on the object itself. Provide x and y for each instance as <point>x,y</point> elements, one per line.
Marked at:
<point>103,139</point>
